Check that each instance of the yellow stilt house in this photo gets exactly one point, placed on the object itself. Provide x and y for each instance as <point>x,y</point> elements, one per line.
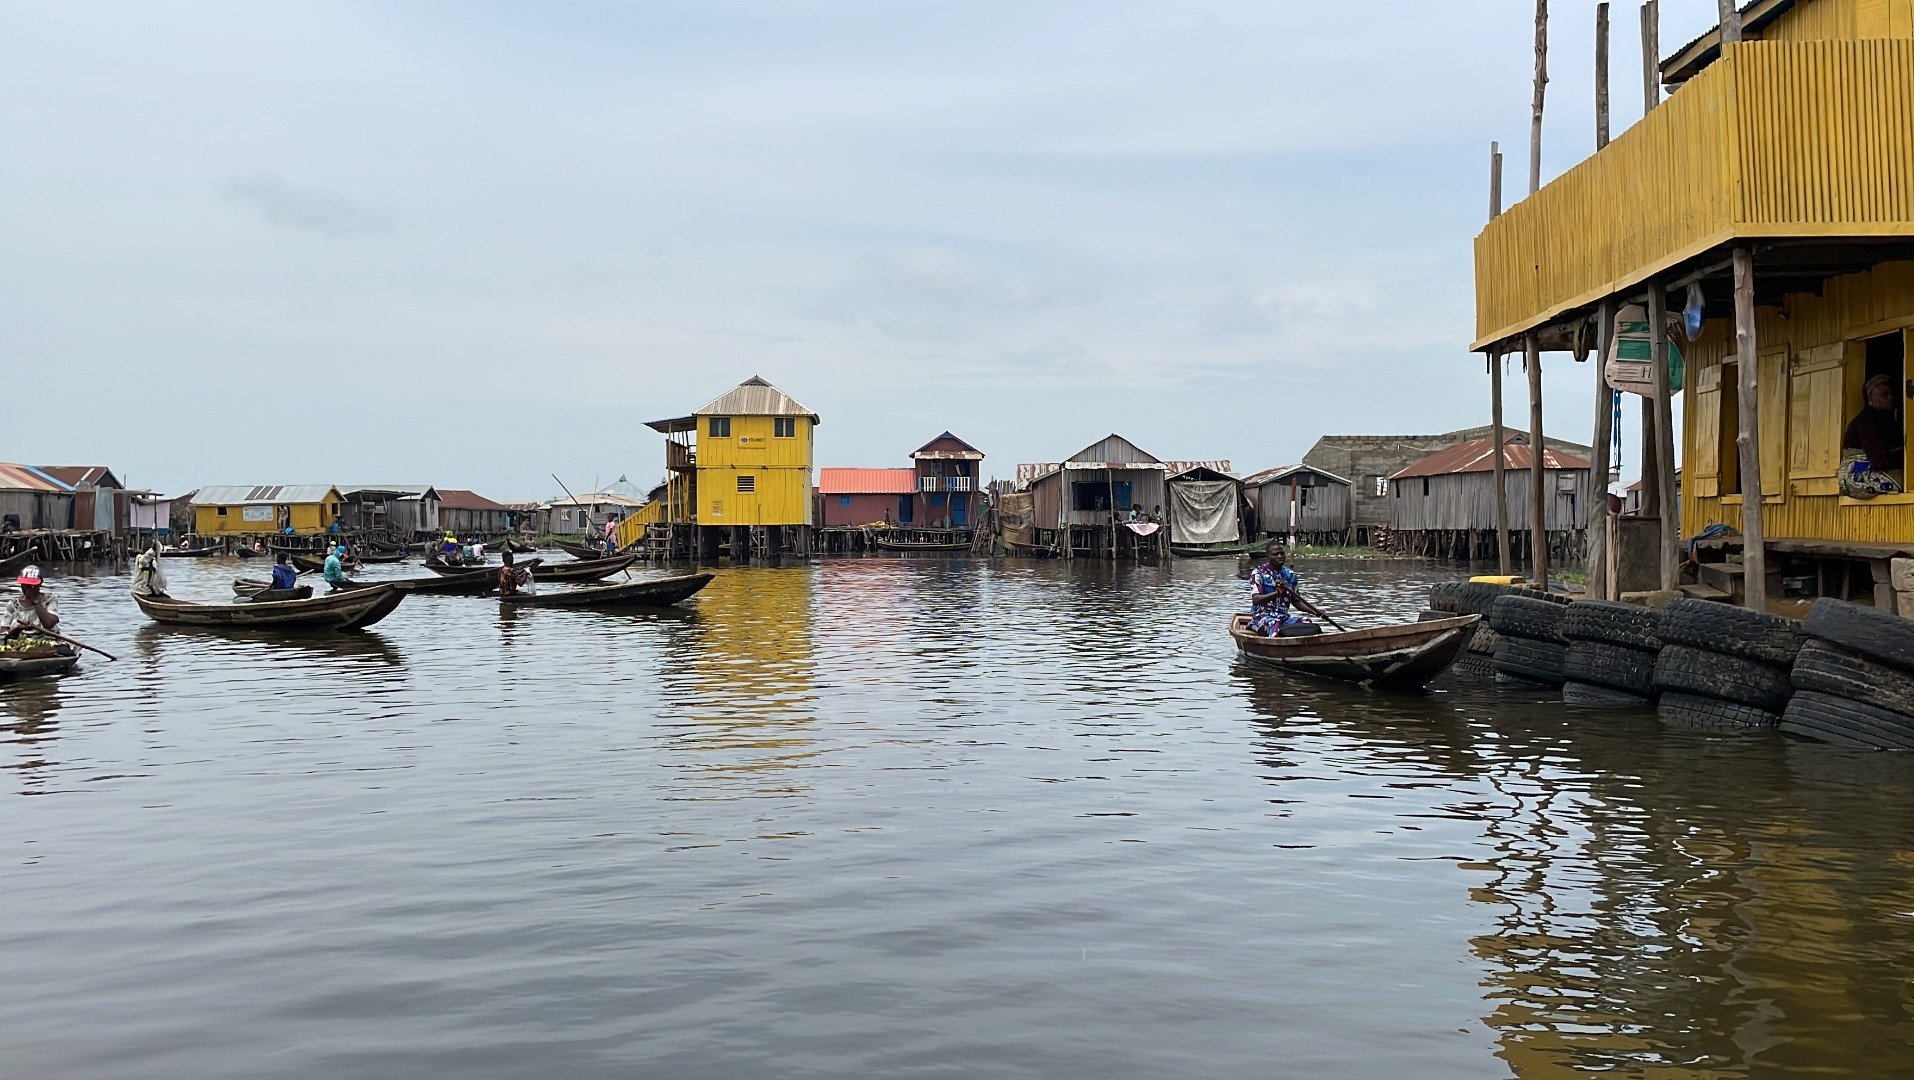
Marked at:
<point>1778,181</point>
<point>743,464</point>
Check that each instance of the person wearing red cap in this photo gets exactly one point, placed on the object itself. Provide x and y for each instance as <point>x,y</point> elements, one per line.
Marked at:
<point>34,609</point>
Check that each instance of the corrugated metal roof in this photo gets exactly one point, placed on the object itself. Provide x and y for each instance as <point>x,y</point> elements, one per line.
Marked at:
<point>927,453</point>
<point>241,494</point>
<point>594,498</point>
<point>1478,455</point>
<point>27,478</point>
<point>866,481</point>
<point>755,397</point>
<point>1688,61</point>
<point>1113,449</point>
<point>82,475</point>
<point>1283,472</point>
<point>460,499</point>
<point>415,491</point>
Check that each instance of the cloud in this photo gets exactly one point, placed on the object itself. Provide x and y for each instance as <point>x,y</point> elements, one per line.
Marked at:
<point>295,207</point>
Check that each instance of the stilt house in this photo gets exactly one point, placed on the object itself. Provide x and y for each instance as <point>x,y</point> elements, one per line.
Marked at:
<point>31,500</point>
<point>241,510</point>
<point>948,481</point>
<point>99,499</point>
<point>1077,503</point>
<point>1205,507</point>
<point>1302,501</point>
<point>1444,505</point>
<point>851,497</point>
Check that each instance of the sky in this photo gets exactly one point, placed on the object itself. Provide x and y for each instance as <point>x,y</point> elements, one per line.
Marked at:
<point>478,244</point>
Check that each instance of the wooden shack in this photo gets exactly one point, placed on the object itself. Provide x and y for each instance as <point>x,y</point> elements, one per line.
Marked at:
<point>1444,505</point>
<point>1306,504</point>
<point>409,511</point>
<point>1080,504</point>
<point>948,480</point>
<point>1205,508</point>
<point>99,499</point>
<point>468,513</point>
<point>854,497</point>
<point>1769,198</point>
<point>32,501</point>
<point>242,510</point>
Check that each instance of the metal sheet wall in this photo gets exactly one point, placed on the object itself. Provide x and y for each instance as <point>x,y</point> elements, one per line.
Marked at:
<point>1466,501</point>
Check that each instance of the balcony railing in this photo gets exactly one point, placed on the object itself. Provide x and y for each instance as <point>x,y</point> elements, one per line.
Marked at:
<point>944,483</point>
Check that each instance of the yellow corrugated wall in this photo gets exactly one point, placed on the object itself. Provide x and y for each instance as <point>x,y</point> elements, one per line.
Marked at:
<point>1810,138</point>
<point>779,469</point>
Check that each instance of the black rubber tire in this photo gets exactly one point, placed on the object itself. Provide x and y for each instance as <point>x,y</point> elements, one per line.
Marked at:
<point>1828,669</point>
<point>1612,623</point>
<point>1617,667</point>
<point>1473,668</point>
<point>1831,719</point>
<point>1536,661</point>
<point>1443,596</point>
<point>1878,635</point>
<point>1696,712</point>
<point>1476,597</point>
<point>1681,669</point>
<point>1485,640</point>
<point>1730,631</point>
<point>1527,617</point>
<point>1589,695</point>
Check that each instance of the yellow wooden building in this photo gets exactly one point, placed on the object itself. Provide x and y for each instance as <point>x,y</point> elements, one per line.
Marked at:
<point>742,461</point>
<point>1790,150</point>
<point>238,509</point>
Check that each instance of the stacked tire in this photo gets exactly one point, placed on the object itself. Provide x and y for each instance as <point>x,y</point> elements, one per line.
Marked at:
<point>1724,668</point>
<point>1853,678</point>
<point>1529,646</point>
<point>1611,653</point>
<point>1453,598</point>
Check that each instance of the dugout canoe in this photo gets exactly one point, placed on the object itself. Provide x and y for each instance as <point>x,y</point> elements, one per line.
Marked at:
<point>581,552</point>
<point>473,581</point>
<point>347,610</point>
<point>1403,657</point>
<point>254,589</point>
<point>10,565</point>
<point>580,570</point>
<point>656,592</point>
<point>26,667</point>
<point>1218,551</point>
<point>314,564</point>
<point>189,553</point>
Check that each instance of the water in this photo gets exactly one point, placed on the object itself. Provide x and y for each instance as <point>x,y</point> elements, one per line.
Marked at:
<point>910,818</point>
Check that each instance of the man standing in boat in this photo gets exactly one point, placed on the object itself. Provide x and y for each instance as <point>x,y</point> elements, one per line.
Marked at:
<point>1273,588</point>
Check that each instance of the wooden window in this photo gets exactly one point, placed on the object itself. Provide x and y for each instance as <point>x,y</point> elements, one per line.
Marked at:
<point>747,484</point>
<point>719,427</point>
<point>784,427</point>
<point>222,511</point>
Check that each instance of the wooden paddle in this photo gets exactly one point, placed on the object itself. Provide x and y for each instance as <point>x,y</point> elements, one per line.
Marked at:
<point>76,643</point>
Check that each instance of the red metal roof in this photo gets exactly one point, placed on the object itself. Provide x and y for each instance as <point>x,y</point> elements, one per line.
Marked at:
<point>27,478</point>
<point>866,481</point>
<point>460,499</point>
<point>76,475</point>
<point>1478,455</point>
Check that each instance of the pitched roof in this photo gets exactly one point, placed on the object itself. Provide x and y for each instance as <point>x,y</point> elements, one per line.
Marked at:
<point>403,491</point>
<point>27,478</point>
<point>1478,455</point>
<point>866,481</point>
<point>460,499</point>
<point>1200,470</point>
<point>1686,62</point>
<point>968,453</point>
<point>755,397</point>
<point>78,475</point>
<point>242,494</point>
<point>1284,472</point>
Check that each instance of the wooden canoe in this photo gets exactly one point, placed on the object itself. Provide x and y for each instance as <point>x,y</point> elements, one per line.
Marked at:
<point>580,551</point>
<point>918,545</point>
<point>657,592</point>
<point>1403,657</point>
<point>248,553</point>
<point>582,570</point>
<point>474,581</point>
<point>254,589</point>
<point>189,553</point>
<point>10,564</point>
<point>26,667</point>
<point>314,564</point>
<point>380,557</point>
<point>346,610</point>
<point>1218,551</point>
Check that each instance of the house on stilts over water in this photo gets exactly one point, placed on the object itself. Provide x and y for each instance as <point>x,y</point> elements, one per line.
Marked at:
<point>1444,505</point>
<point>1769,203</point>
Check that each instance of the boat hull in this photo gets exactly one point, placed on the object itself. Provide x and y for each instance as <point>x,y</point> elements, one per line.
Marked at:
<point>1404,657</point>
<point>347,610</point>
<point>29,667</point>
<point>657,592</point>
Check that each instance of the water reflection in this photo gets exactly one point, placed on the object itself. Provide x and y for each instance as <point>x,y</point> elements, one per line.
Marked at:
<point>29,711</point>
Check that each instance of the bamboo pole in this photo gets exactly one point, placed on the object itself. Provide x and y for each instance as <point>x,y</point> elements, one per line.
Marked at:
<point>1504,562</point>
<point>1662,410</point>
<point>1601,75</point>
<point>1541,93</point>
<point>1596,521</point>
<point>1495,180</point>
<point>1538,465</point>
<point>1730,17</point>
<point>1754,556</point>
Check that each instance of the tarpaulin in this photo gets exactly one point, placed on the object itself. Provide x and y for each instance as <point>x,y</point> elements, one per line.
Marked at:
<point>1203,512</point>
<point>1016,520</point>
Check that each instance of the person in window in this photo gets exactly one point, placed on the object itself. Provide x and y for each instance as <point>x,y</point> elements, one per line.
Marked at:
<point>1876,431</point>
<point>1273,588</point>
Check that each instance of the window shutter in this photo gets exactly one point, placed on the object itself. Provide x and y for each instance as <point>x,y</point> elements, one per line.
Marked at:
<point>1773,373</point>
<point>1817,389</point>
<point>1704,425</point>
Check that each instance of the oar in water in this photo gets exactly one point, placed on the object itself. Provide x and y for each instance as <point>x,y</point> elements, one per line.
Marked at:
<point>76,643</point>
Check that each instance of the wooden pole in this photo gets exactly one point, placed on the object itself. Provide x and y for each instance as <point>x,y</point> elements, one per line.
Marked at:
<point>1601,75</point>
<point>1538,467</point>
<point>1596,521</point>
<point>1754,556</point>
<point>1651,56</point>
<point>1661,407</point>
<point>1730,16</point>
<point>1495,180</point>
<point>1541,93</point>
<point>1504,563</point>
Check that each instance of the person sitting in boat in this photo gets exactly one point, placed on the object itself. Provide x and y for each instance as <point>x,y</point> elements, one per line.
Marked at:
<point>1273,589</point>
<point>513,580</point>
<point>283,574</point>
<point>336,569</point>
<point>32,611</point>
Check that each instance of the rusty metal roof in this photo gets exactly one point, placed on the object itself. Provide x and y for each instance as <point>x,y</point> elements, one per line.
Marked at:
<point>460,499</point>
<point>75,476</point>
<point>1478,455</point>
<point>27,478</point>
<point>968,453</point>
<point>866,481</point>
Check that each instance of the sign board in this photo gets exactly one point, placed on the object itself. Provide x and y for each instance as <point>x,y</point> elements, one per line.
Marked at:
<point>1628,367</point>
<point>256,513</point>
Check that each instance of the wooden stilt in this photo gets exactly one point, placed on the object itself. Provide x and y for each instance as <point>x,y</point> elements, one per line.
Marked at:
<point>1538,464</point>
<point>1504,563</point>
<point>1662,408</point>
<point>1596,520</point>
<point>1754,561</point>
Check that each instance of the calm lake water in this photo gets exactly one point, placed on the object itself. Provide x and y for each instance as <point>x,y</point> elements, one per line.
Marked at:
<point>904,818</point>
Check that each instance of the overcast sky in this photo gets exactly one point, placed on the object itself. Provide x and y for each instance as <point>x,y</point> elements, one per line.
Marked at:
<point>475,244</point>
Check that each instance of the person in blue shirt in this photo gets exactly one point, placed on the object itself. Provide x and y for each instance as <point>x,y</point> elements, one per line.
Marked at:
<point>283,575</point>
<point>336,568</point>
<point>1273,588</point>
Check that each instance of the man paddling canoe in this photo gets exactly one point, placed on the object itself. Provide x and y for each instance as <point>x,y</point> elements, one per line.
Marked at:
<point>1273,588</point>
<point>33,610</point>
